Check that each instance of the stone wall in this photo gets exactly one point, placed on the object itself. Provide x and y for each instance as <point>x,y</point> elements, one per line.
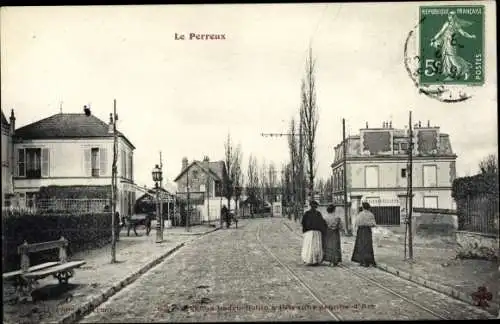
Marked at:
<point>477,246</point>
<point>429,221</point>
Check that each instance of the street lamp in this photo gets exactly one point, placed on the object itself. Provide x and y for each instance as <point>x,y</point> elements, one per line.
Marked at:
<point>157,178</point>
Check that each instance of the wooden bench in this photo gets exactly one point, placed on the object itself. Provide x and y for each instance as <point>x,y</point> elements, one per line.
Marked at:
<point>26,278</point>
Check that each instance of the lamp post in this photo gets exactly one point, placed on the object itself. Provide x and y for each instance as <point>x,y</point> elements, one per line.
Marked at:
<point>157,178</point>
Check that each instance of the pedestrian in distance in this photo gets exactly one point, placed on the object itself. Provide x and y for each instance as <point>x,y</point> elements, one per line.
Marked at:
<point>224,212</point>
<point>331,241</point>
<point>363,248</point>
<point>314,228</point>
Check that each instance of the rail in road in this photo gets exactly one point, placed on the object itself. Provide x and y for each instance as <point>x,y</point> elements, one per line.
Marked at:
<point>377,280</point>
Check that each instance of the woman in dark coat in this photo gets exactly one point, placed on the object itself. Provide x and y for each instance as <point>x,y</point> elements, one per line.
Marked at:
<point>314,228</point>
<point>363,248</point>
<point>331,242</point>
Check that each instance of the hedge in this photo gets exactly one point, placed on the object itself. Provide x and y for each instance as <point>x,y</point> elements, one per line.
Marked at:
<point>83,232</point>
<point>468,191</point>
<point>480,184</point>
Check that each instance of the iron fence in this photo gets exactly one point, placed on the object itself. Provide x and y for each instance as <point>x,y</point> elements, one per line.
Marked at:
<point>55,206</point>
<point>386,211</point>
<point>479,214</point>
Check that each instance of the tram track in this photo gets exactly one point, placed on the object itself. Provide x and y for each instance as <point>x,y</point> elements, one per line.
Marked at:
<point>384,287</point>
<point>293,275</point>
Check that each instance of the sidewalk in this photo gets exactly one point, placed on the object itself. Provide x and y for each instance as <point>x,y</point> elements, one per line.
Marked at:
<point>98,279</point>
<point>434,266</point>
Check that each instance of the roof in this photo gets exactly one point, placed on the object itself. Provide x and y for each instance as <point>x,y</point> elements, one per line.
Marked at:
<point>152,193</point>
<point>216,169</point>
<point>380,143</point>
<point>67,125</point>
<point>4,120</point>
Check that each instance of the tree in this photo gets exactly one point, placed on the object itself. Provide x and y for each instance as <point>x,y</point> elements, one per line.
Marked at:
<point>233,168</point>
<point>252,182</point>
<point>271,181</point>
<point>263,181</point>
<point>489,165</point>
<point>309,119</point>
<point>320,189</point>
<point>296,165</point>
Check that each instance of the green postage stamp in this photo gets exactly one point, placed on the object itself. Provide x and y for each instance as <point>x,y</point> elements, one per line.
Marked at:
<point>452,45</point>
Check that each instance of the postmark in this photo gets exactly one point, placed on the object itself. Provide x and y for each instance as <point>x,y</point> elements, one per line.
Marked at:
<point>444,52</point>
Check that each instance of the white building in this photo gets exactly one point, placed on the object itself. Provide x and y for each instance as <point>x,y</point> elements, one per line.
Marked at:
<point>377,167</point>
<point>71,150</point>
<point>7,154</point>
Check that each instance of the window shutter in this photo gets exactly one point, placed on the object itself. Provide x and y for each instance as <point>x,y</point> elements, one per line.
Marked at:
<point>21,163</point>
<point>87,157</point>
<point>45,162</point>
<point>103,161</point>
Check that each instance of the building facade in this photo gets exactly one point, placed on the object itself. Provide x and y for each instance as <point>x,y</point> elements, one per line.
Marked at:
<point>206,181</point>
<point>72,150</point>
<point>377,166</point>
<point>7,156</point>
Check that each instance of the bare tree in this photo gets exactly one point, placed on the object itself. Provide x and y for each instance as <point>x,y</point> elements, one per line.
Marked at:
<point>233,168</point>
<point>252,182</point>
<point>309,119</point>
<point>263,180</point>
<point>489,165</point>
<point>272,181</point>
<point>320,189</point>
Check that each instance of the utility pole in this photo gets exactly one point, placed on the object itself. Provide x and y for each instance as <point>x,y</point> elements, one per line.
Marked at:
<point>409,199</point>
<point>161,195</point>
<point>113,186</point>
<point>344,149</point>
<point>188,211</point>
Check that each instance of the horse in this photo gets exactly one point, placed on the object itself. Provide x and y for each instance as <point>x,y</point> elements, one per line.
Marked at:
<point>138,220</point>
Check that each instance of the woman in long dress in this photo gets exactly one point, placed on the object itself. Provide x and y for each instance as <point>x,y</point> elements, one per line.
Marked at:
<point>363,248</point>
<point>453,65</point>
<point>313,227</point>
<point>331,242</point>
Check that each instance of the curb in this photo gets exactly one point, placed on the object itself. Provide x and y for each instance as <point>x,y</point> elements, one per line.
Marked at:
<point>194,234</point>
<point>444,289</point>
<point>95,301</point>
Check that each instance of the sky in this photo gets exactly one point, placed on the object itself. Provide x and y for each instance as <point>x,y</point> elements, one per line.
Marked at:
<point>183,97</point>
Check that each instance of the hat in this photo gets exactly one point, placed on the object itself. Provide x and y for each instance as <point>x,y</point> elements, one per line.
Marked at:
<point>313,203</point>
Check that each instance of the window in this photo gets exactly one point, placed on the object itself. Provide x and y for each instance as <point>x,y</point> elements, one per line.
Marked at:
<point>430,175</point>
<point>430,202</point>
<point>403,173</point>
<point>33,163</point>
<point>395,147</point>
<point>371,176</point>
<point>195,175</point>
<point>130,174</point>
<point>124,164</point>
<point>404,146</point>
<point>95,162</point>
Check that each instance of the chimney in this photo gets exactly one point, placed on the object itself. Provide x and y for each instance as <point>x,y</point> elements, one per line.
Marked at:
<point>184,163</point>
<point>390,124</point>
<point>12,123</point>
<point>86,110</point>
<point>383,124</point>
<point>366,124</point>
<point>419,124</point>
<point>206,159</point>
<point>428,123</point>
<point>111,129</point>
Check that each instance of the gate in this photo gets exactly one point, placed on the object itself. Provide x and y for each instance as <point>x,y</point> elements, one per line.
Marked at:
<point>386,211</point>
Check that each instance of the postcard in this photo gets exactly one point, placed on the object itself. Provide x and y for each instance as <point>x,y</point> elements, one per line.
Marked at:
<point>250,162</point>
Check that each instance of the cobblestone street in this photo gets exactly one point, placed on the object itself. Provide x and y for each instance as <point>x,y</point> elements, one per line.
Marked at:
<point>255,273</point>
